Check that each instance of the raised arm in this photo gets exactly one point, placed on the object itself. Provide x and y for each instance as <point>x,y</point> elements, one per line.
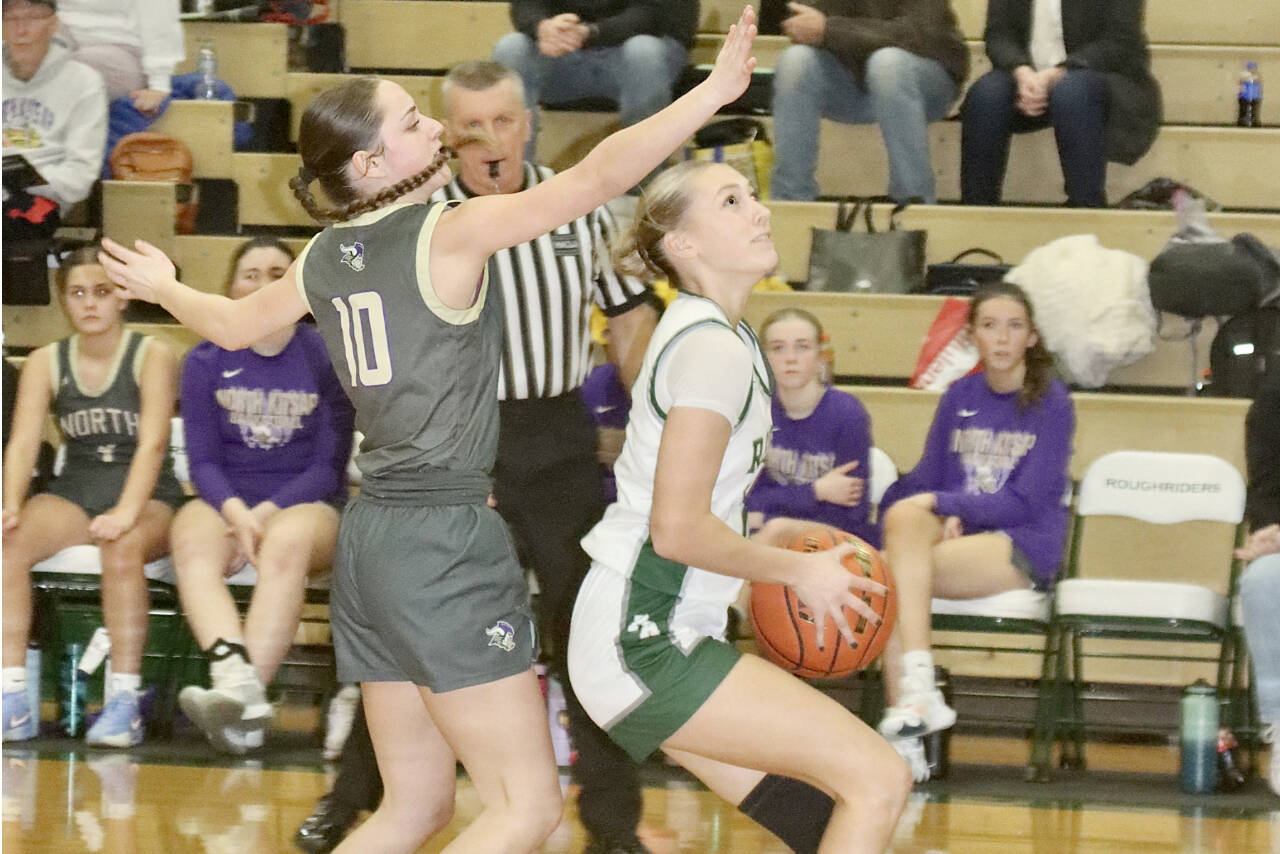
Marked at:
<point>146,273</point>
<point>467,235</point>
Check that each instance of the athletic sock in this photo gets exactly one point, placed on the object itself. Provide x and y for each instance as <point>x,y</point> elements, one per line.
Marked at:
<point>917,672</point>
<point>13,678</point>
<point>124,682</point>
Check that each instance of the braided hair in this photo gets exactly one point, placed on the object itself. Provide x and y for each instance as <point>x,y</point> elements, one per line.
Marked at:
<point>338,123</point>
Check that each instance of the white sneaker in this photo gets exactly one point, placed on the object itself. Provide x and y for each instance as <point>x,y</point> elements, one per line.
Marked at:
<point>912,750</point>
<point>917,714</point>
<point>229,712</point>
<point>342,712</point>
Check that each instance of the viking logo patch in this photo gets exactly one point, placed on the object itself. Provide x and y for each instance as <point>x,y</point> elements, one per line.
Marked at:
<point>501,635</point>
<point>353,255</point>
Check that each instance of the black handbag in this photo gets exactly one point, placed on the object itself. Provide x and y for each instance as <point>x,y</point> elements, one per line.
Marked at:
<point>870,261</point>
<point>954,279</point>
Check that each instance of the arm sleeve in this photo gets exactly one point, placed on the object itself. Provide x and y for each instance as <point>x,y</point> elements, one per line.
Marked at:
<point>527,14</point>
<point>162,42</point>
<point>200,426</point>
<point>615,293</point>
<point>927,473</point>
<point>706,368</point>
<point>322,474</point>
<point>1036,485</point>
<point>1006,42</point>
<point>71,178</point>
<point>1262,451</point>
<point>1120,42</point>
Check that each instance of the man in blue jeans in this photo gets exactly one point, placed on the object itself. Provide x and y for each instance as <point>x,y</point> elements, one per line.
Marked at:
<point>630,52</point>
<point>898,63</point>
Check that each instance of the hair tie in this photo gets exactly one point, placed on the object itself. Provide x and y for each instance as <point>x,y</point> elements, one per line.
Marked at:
<point>306,174</point>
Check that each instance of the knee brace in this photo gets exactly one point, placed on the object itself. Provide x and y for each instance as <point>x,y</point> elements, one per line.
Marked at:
<point>795,812</point>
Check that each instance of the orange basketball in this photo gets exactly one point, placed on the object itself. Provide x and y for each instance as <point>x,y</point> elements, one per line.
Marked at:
<point>785,628</point>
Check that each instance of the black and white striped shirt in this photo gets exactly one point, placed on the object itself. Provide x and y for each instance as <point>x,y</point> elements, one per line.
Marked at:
<point>546,286</point>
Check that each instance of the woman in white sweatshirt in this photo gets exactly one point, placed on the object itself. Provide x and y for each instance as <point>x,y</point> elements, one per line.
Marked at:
<point>134,44</point>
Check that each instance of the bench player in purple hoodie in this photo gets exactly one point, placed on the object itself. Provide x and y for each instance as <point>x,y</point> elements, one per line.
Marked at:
<point>268,433</point>
<point>817,464</point>
<point>982,512</point>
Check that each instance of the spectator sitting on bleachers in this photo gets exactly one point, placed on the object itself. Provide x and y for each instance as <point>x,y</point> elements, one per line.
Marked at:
<point>819,456</point>
<point>268,434</point>
<point>111,391</point>
<point>899,64</point>
<point>53,103</point>
<point>982,511</point>
<point>1260,584</point>
<point>133,45</point>
<point>1080,66</point>
<point>631,52</point>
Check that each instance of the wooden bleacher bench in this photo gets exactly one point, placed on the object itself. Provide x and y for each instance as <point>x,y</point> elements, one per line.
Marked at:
<point>1173,21</point>
<point>252,58</point>
<point>398,34</point>
<point>877,337</point>
<point>206,128</point>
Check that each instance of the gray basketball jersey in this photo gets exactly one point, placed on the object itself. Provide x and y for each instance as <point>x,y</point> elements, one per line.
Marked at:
<point>423,376</point>
<point>98,428</point>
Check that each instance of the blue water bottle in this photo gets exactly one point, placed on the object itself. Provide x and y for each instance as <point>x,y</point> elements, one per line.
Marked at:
<point>1199,738</point>
<point>71,693</point>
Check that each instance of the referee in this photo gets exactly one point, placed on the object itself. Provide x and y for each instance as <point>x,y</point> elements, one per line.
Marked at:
<point>547,481</point>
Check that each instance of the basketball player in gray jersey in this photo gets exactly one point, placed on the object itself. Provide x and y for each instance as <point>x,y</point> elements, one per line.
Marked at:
<point>428,604</point>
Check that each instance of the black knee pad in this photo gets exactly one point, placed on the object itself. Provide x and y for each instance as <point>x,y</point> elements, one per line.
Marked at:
<point>795,812</point>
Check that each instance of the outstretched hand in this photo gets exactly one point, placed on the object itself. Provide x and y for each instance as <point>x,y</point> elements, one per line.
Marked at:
<point>137,273</point>
<point>734,64</point>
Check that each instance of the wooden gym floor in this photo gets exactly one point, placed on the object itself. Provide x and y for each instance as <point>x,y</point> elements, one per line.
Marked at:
<point>182,799</point>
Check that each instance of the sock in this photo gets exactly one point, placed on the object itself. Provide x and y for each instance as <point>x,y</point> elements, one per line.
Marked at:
<point>229,662</point>
<point>124,682</point>
<point>795,812</point>
<point>917,671</point>
<point>13,678</point>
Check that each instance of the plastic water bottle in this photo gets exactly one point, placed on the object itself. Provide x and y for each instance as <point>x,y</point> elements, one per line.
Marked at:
<point>33,681</point>
<point>71,693</point>
<point>207,68</point>
<point>1250,99</point>
<point>1199,738</point>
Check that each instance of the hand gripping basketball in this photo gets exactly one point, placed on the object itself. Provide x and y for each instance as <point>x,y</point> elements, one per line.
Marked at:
<point>844,579</point>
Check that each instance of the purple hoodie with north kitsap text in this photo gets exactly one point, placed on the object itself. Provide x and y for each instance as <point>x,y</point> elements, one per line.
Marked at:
<point>999,466</point>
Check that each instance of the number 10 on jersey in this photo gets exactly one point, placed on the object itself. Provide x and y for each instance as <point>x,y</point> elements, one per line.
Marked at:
<point>357,313</point>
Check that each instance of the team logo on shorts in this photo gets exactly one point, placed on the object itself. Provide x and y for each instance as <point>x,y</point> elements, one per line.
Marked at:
<point>502,636</point>
<point>353,255</point>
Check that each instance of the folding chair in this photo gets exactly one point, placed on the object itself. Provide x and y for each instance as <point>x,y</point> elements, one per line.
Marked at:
<point>1121,496</point>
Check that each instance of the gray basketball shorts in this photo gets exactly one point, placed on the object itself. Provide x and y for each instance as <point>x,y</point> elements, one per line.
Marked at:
<point>431,595</point>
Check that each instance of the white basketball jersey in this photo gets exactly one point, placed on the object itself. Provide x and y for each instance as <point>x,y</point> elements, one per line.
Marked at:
<point>616,541</point>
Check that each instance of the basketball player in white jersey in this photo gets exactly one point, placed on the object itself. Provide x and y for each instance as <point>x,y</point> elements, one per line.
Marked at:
<point>646,654</point>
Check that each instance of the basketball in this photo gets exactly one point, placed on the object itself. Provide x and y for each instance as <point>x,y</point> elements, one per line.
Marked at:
<point>785,628</point>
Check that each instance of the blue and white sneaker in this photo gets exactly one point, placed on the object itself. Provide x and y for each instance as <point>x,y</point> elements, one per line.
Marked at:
<point>119,725</point>
<point>916,715</point>
<point>19,723</point>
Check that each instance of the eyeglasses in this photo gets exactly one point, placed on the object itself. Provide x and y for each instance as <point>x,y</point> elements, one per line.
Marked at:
<point>27,17</point>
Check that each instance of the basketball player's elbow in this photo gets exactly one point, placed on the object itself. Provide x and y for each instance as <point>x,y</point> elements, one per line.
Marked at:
<point>673,534</point>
